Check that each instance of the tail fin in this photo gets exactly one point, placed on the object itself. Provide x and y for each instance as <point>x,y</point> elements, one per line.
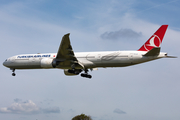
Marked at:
<point>155,40</point>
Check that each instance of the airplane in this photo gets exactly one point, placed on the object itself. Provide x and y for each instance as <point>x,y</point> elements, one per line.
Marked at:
<point>75,63</point>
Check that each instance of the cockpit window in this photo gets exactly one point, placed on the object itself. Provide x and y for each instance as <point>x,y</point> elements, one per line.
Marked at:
<point>6,60</point>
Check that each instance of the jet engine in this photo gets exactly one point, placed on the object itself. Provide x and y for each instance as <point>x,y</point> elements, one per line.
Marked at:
<point>70,72</point>
<point>55,62</point>
<point>46,63</point>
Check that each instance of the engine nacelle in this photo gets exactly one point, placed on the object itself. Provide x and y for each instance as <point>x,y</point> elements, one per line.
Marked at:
<point>55,62</point>
<point>71,72</point>
<point>66,72</point>
<point>46,63</point>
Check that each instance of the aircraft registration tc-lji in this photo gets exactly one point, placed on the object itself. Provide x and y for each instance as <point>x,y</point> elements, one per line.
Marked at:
<point>75,63</point>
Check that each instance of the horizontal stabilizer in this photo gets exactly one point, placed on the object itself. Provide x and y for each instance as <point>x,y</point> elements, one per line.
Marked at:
<point>153,52</point>
<point>171,57</point>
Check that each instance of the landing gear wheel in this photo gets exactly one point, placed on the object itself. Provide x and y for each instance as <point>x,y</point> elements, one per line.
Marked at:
<point>86,75</point>
<point>83,75</point>
<point>13,74</point>
<point>89,76</point>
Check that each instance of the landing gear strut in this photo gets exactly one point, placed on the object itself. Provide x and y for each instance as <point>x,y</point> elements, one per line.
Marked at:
<point>86,74</point>
<point>75,71</point>
<point>13,74</point>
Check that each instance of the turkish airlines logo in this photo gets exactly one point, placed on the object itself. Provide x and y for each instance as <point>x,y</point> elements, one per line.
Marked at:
<point>154,41</point>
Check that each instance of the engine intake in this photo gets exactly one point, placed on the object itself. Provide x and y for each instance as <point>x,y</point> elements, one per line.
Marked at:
<point>55,63</point>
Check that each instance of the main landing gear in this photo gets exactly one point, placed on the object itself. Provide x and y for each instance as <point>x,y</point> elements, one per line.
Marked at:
<point>86,74</point>
<point>13,74</point>
<point>77,72</point>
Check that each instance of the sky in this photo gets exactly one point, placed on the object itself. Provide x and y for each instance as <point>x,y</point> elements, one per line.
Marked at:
<point>145,91</point>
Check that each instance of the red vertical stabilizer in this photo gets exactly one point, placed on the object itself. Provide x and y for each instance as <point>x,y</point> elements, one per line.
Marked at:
<point>155,40</point>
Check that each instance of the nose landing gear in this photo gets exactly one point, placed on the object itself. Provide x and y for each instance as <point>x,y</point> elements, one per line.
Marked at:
<point>13,74</point>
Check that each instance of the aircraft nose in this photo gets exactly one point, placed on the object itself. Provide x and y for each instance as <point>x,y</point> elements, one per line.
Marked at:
<point>5,63</point>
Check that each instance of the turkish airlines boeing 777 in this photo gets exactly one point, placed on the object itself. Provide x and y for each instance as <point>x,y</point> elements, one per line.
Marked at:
<point>75,63</point>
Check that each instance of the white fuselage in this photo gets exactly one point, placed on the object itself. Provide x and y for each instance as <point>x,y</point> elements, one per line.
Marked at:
<point>87,59</point>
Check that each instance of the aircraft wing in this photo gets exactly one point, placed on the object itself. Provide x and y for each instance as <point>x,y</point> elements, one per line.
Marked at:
<point>65,55</point>
<point>65,51</point>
